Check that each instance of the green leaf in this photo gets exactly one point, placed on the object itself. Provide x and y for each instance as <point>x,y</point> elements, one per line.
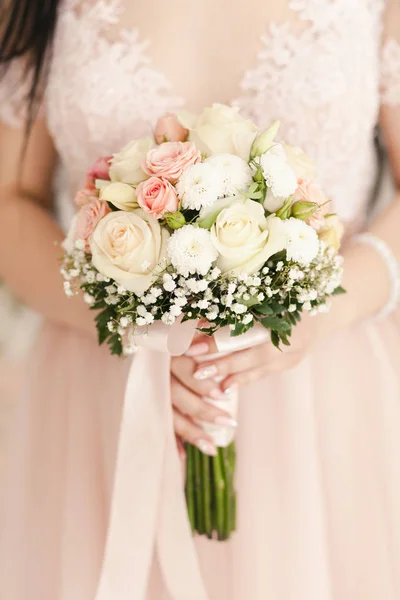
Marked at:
<point>275,339</point>
<point>115,344</point>
<point>256,195</point>
<point>265,309</point>
<point>276,323</point>
<point>285,340</point>
<point>209,221</point>
<point>339,290</point>
<point>253,187</point>
<point>102,334</point>
<point>269,308</point>
<point>102,319</point>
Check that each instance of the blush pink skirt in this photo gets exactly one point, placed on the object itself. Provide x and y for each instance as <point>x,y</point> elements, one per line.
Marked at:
<point>318,477</point>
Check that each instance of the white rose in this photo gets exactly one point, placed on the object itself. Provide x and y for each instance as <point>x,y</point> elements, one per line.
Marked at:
<point>245,238</point>
<point>301,164</point>
<point>211,212</point>
<point>128,247</point>
<point>121,195</point>
<point>126,166</point>
<point>221,129</point>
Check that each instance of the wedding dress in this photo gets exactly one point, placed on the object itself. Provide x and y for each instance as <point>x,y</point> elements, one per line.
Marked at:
<point>319,446</point>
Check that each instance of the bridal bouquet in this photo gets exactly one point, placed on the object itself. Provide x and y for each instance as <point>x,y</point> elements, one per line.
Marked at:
<point>214,222</point>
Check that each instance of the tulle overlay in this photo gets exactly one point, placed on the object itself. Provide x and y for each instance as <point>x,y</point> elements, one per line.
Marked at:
<point>318,476</point>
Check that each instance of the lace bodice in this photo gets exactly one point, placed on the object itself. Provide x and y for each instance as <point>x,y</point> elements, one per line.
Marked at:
<point>323,67</point>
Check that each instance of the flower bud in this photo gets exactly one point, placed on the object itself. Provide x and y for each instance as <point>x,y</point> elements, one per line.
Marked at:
<point>304,210</point>
<point>264,141</point>
<point>285,211</point>
<point>121,195</point>
<point>175,220</point>
<point>168,129</point>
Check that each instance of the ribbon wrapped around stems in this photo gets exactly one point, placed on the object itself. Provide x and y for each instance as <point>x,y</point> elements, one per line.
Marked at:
<point>148,510</point>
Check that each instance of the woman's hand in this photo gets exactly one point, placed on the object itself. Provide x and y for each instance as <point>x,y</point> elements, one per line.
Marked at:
<point>192,381</point>
<point>246,366</point>
<point>189,405</point>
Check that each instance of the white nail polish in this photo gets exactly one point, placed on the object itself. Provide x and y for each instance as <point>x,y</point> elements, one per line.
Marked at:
<point>231,389</point>
<point>207,447</point>
<point>205,372</point>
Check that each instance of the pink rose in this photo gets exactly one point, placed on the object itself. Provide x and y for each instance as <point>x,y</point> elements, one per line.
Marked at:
<point>88,218</point>
<point>170,159</point>
<point>169,129</point>
<point>157,197</point>
<point>310,191</point>
<point>85,196</point>
<point>99,170</point>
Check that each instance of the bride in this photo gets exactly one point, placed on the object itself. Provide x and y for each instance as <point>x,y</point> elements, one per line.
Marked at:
<point>319,428</point>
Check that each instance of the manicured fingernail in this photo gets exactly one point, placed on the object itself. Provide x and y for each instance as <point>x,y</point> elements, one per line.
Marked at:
<point>206,372</point>
<point>225,421</point>
<point>197,349</point>
<point>207,447</point>
<point>231,389</point>
<point>217,394</point>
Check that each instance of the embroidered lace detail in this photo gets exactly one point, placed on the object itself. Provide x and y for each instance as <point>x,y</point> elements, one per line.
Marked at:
<point>310,78</point>
<point>102,91</point>
<point>318,71</point>
<point>390,73</point>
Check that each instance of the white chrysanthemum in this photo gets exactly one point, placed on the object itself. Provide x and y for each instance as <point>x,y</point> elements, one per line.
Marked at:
<point>200,185</point>
<point>278,175</point>
<point>191,250</point>
<point>235,173</point>
<point>302,243</point>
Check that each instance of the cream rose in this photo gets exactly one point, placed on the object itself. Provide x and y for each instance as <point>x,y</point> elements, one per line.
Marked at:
<point>128,247</point>
<point>121,195</point>
<point>220,129</point>
<point>301,164</point>
<point>126,166</point>
<point>332,231</point>
<point>245,238</point>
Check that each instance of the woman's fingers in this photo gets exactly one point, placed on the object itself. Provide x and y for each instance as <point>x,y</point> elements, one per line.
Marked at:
<point>191,405</point>
<point>202,344</point>
<point>183,369</point>
<point>284,362</point>
<point>193,434</point>
<point>233,363</point>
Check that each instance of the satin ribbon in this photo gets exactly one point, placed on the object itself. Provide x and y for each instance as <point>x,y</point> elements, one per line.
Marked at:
<point>148,509</point>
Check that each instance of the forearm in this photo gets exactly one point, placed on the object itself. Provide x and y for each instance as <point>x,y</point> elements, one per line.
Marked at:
<point>366,275</point>
<point>30,263</point>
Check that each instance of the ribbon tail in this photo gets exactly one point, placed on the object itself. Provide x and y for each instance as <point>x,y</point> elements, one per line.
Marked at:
<point>176,550</point>
<point>148,508</point>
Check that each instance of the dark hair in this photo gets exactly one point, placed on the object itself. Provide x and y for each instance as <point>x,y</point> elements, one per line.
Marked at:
<point>28,33</point>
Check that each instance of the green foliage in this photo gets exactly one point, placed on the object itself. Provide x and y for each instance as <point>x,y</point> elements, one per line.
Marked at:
<point>285,211</point>
<point>339,290</point>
